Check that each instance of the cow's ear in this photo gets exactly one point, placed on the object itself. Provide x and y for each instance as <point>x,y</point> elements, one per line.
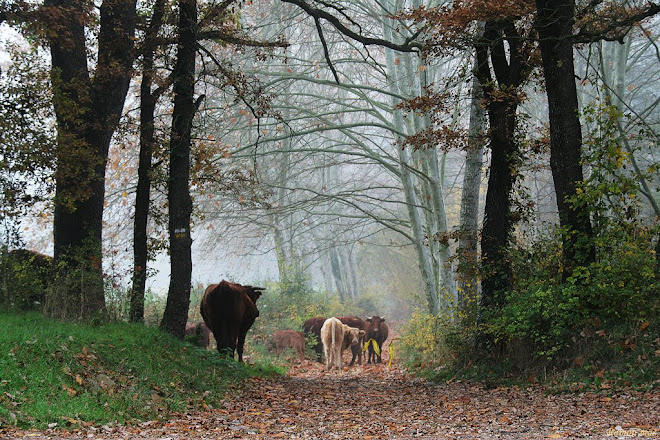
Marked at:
<point>362,333</point>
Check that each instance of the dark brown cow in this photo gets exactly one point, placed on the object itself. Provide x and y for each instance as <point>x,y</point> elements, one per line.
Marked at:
<point>313,327</point>
<point>283,339</point>
<point>200,334</point>
<point>376,330</point>
<point>356,349</point>
<point>229,310</point>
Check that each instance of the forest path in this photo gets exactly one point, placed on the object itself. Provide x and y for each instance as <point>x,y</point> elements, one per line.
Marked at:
<point>377,402</point>
<point>380,402</point>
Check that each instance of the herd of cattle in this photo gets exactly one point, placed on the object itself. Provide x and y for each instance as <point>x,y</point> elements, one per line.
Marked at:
<point>230,309</point>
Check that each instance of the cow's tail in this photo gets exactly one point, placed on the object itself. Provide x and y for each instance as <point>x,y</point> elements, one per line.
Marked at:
<point>334,360</point>
<point>332,330</point>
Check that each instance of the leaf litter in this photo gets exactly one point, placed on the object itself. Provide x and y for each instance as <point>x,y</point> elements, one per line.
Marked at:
<point>379,402</point>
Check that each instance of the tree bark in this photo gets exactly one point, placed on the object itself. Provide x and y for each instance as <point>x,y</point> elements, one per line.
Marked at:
<point>179,200</point>
<point>335,265</point>
<point>555,28</point>
<point>497,211</point>
<point>87,112</point>
<point>407,179</point>
<point>502,103</point>
<point>468,240</point>
<point>148,101</point>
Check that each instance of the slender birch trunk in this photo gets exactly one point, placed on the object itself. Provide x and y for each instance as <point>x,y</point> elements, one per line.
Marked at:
<point>468,291</point>
<point>424,257</point>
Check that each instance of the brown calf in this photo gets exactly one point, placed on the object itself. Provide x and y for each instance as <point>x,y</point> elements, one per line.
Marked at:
<point>283,339</point>
<point>200,333</point>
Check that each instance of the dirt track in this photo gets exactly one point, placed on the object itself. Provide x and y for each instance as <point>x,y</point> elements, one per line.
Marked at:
<point>376,402</point>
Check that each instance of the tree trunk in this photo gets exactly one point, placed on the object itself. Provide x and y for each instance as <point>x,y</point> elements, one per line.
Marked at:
<point>350,267</point>
<point>434,199</point>
<point>148,101</point>
<point>407,180</point>
<point>502,103</point>
<point>87,112</point>
<point>335,265</point>
<point>554,25</point>
<point>497,211</point>
<point>469,218</point>
<point>279,217</point>
<point>178,196</point>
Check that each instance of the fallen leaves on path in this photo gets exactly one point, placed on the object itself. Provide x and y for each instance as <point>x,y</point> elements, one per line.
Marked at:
<point>376,402</point>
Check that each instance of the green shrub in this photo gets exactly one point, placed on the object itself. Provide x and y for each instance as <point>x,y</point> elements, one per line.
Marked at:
<point>423,342</point>
<point>24,278</point>
<point>548,323</point>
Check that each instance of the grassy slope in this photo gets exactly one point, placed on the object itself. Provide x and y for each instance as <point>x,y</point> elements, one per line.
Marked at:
<point>53,372</point>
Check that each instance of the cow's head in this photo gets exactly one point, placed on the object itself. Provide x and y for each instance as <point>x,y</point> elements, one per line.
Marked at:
<point>254,292</point>
<point>375,322</point>
<point>353,334</point>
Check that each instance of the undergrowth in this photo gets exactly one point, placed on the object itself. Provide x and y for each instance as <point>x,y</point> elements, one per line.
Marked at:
<point>596,329</point>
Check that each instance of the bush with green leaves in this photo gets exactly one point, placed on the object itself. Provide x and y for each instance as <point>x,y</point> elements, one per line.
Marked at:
<point>423,341</point>
<point>550,322</point>
<point>24,278</point>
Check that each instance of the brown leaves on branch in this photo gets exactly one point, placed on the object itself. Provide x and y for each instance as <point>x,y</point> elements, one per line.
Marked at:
<point>444,138</point>
<point>611,20</point>
<point>442,135</point>
<point>457,27</point>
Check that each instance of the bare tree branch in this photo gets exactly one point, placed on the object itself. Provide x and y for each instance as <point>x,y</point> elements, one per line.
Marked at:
<point>325,49</point>
<point>409,44</point>
<point>233,39</point>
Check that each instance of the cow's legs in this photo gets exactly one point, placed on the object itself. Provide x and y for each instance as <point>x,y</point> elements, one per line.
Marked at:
<point>241,344</point>
<point>338,356</point>
<point>320,352</point>
<point>360,351</point>
<point>328,358</point>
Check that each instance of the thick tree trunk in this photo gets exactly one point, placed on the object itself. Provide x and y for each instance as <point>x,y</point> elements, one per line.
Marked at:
<point>180,203</point>
<point>502,102</point>
<point>497,212</point>
<point>87,113</point>
<point>148,101</point>
<point>554,25</point>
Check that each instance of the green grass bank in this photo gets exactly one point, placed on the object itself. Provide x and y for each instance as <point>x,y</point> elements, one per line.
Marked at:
<point>64,374</point>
